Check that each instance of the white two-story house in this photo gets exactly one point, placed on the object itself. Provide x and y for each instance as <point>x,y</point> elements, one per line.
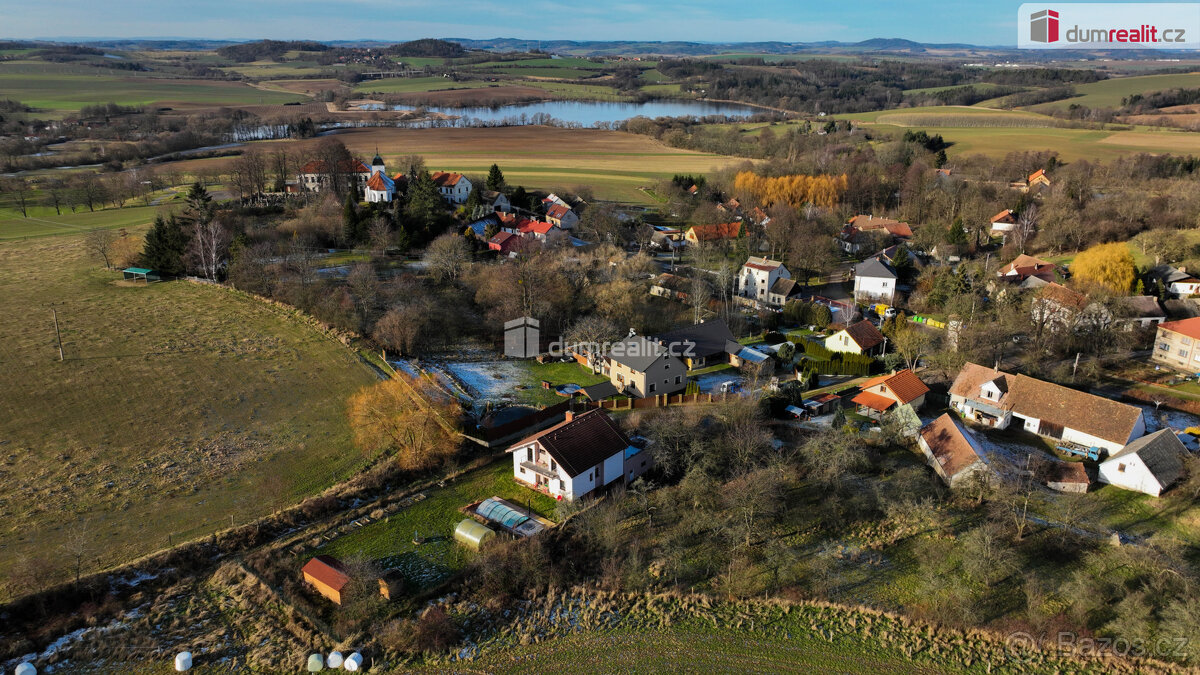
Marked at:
<point>758,277</point>
<point>582,454</point>
<point>454,187</point>
<point>874,281</point>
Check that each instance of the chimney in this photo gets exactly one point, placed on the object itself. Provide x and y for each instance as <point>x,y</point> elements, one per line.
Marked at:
<point>570,416</point>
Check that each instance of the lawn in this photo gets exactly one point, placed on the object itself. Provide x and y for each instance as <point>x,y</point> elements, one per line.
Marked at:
<point>43,221</point>
<point>556,373</point>
<point>55,87</point>
<point>177,408</point>
<point>390,541</point>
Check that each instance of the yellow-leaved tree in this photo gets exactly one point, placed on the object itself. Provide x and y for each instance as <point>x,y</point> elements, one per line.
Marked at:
<point>1107,265</point>
<point>795,190</point>
<point>404,418</point>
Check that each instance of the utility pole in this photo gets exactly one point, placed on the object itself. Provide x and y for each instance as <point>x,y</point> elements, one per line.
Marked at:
<point>57,334</point>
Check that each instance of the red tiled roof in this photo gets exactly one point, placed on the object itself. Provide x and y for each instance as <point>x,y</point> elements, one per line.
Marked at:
<point>1026,265</point>
<point>905,385</point>
<point>327,570</point>
<point>1063,296</point>
<point>375,182</point>
<point>1005,216</point>
<point>873,401</point>
<point>1186,327</point>
<point>445,179</point>
<point>898,229</point>
<point>718,231</point>
<point>557,211</point>
<point>1040,173</point>
<point>536,226</point>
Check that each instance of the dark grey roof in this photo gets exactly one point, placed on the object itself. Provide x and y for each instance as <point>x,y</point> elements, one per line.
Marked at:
<point>709,337</point>
<point>785,287</point>
<point>1162,452</point>
<point>600,391</point>
<point>637,352</point>
<point>732,347</point>
<point>1145,306</point>
<point>874,267</point>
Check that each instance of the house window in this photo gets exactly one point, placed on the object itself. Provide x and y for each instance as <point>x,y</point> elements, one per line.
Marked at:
<point>1183,353</point>
<point>529,454</point>
<point>1164,346</point>
<point>589,476</point>
<point>651,386</point>
<point>620,378</point>
<point>1185,340</point>
<point>522,470</point>
<point>678,379</point>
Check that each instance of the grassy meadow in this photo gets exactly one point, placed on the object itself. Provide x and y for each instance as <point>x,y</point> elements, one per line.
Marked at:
<point>43,221</point>
<point>177,407</point>
<point>1108,93</point>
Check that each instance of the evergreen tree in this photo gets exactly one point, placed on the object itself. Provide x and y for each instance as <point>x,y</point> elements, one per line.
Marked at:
<point>164,247</point>
<point>199,204</point>
<point>475,199</point>
<point>490,231</point>
<point>839,418</point>
<point>939,159</point>
<point>425,210</point>
<point>956,234</point>
<point>520,198</point>
<point>903,264</point>
<point>352,225</point>
<point>495,179</point>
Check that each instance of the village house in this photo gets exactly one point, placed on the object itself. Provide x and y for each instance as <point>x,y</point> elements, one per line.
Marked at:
<point>885,393</point>
<point>580,455</point>
<point>1149,464</point>
<point>1002,223</point>
<point>1064,476</point>
<point>454,187</point>
<point>859,338</point>
<point>674,287</point>
<point>1177,345</point>
<point>506,243</point>
<point>953,451</point>
<point>719,232</point>
<point>562,216</point>
<point>1059,308</point>
<point>1144,311</point>
<point>1027,271</point>
<point>1177,282</point>
<point>874,281</point>
<point>641,367</point>
<point>1034,183</point>
<point>758,277</point>
<point>700,344</point>
<point>864,231</point>
<point>994,398</point>
<point>315,175</point>
<point>328,576</point>
<point>552,200</point>
<point>496,200</point>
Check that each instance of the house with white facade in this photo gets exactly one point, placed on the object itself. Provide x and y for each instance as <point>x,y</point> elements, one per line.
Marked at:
<point>496,200</point>
<point>562,216</point>
<point>994,398</point>
<point>874,281</point>
<point>454,187</point>
<point>379,187</point>
<point>315,175</point>
<point>1150,464</point>
<point>758,277</point>
<point>1178,282</point>
<point>582,454</point>
<point>857,338</point>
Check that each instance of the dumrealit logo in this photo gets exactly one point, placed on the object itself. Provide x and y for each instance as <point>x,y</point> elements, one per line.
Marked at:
<point>1109,26</point>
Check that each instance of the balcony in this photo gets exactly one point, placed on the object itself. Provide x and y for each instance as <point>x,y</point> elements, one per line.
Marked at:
<point>540,470</point>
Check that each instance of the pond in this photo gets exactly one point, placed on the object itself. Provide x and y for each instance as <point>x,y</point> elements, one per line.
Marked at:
<point>583,113</point>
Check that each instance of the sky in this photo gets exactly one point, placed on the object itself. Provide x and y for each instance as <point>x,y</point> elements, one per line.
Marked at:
<point>984,23</point>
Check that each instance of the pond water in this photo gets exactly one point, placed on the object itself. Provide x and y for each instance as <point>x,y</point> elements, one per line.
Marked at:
<point>584,113</point>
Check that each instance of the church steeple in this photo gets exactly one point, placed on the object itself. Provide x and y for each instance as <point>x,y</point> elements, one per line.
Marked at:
<point>377,163</point>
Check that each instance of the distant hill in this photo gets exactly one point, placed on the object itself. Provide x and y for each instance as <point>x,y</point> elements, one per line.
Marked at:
<point>628,48</point>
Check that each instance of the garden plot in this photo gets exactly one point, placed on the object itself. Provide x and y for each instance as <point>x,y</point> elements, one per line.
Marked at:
<point>710,383</point>
<point>495,382</point>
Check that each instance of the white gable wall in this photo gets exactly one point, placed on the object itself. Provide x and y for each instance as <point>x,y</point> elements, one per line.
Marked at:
<point>1129,472</point>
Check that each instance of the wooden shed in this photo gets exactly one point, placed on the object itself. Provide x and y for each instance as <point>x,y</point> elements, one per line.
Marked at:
<point>328,576</point>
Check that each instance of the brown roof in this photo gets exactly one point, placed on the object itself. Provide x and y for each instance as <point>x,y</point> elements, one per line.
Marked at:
<point>1063,296</point>
<point>375,182</point>
<point>1187,327</point>
<point>327,570</point>
<point>869,222</point>
<point>581,443</point>
<point>444,179</point>
<point>1063,472</point>
<point>898,229</point>
<point>557,211</point>
<point>1030,397</point>
<point>973,376</point>
<point>1023,262</point>
<point>865,334</point>
<point>715,232</point>
<point>953,449</point>
<point>764,268</point>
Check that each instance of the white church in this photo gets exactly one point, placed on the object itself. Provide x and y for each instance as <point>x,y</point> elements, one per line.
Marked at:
<point>379,187</point>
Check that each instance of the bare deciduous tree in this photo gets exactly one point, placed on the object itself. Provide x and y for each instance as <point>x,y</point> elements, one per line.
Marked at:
<point>209,248</point>
<point>100,242</point>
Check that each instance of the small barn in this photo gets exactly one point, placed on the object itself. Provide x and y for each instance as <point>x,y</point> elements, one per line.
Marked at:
<point>327,575</point>
<point>1149,464</point>
<point>952,451</point>
<point>141,274</point>
<point>472,534</point>
<point>1065,476</point>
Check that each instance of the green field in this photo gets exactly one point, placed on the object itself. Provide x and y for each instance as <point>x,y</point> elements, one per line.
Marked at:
<point>178,406</point>
<point>1108,93</point>
<point>44,221</point>
<point>390,541</point>
<point>52,87</point>
<point>409,85</point>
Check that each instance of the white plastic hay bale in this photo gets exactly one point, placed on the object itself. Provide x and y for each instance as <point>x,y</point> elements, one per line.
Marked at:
<point>25,669</point>
<point>316,663</point>
<point>353,662</point>
<point>335,660</point>
<point>183,661</point>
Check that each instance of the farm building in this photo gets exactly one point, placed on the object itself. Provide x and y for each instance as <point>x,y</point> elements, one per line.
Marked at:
<point>1150,464</point>
<point>328,576</point>
<point>140,274</point>
<point>951,450</point>
<point>1064,476</point>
